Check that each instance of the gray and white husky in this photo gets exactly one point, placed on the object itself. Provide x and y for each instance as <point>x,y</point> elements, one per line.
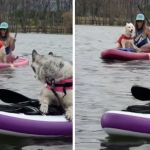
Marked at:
<point>56,75</point>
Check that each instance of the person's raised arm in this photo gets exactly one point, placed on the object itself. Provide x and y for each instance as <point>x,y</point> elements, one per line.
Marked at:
<point>12,43</point>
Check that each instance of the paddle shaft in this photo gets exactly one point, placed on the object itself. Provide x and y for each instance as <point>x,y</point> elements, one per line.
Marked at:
<point>143,14</point>
<point>15,35</point>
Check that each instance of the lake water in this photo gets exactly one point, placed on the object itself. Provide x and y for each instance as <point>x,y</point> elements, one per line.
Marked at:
<point>22,80</point>
<point>103,86</point>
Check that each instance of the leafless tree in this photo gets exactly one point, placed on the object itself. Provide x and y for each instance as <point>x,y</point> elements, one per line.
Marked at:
<point>109,12</point>
<point>35,15</point>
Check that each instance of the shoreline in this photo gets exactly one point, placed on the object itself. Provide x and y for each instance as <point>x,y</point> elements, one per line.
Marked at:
<point>47,29</point>
<point>100,21</point>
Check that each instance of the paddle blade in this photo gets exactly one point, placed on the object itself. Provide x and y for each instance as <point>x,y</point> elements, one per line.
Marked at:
<point>8,96</point>
<point>141,93</point>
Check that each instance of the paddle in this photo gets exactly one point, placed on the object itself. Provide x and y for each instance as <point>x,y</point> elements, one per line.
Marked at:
<point>8,96</point>
<point>16,108</point>
<point>141,93</point>
<point>21,102</point>
<point>139,109</point>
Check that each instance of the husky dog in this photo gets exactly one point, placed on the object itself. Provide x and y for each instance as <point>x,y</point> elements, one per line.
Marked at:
<point>55,73</point>
<point>126,39</point>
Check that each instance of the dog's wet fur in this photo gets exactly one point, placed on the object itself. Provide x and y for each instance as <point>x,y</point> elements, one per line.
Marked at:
<point>50,67</point>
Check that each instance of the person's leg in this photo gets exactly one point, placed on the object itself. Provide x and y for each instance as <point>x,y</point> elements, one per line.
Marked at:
<point>10,58</point>
<point>145,48</point>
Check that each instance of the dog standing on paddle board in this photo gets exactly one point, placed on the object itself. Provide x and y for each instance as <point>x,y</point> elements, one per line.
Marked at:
<point>56,75</point>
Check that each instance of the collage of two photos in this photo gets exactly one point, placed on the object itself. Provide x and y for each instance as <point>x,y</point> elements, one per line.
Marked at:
<point>36,74</point>
<point>74,74</point>
<point>112,73</point>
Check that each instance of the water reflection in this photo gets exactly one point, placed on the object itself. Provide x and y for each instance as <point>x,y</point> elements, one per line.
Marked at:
<point>122,143</point>
<point>19,143</point>
<point>7,73</point>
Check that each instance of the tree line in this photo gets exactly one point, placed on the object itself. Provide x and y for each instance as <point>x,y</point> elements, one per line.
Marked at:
<point>109,12</point>
<point>48,16</point>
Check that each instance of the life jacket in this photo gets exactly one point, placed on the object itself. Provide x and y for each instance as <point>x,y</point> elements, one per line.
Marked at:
<point>1,44</point>
<point>123,36</point>
<point>6,41</point>
<point>61,86</point>
<point>140,38</point>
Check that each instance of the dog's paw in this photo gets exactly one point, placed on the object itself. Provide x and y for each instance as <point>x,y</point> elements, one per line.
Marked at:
<point>44,108</point>
<point>68,114</point>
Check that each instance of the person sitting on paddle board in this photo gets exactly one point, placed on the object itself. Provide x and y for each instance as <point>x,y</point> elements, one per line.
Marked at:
<point>8,40</point>
<point>142,34</point>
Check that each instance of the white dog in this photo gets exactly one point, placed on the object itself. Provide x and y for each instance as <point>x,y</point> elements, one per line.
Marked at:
<point>57,75</point>
<point>126,39</point>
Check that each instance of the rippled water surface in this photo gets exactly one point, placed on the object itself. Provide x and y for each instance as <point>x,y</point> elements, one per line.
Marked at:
<point>22,80</point>
<point>103,86</point>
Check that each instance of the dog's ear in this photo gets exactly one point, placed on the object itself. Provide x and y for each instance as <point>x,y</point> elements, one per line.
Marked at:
<point>50,53</point>
<point>132,24</point>
<point>34,53</point>
<point>127,23</point>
